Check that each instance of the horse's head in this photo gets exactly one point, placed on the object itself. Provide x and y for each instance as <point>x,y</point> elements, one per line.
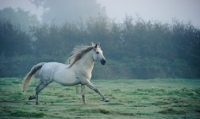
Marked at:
<point>98,54</point>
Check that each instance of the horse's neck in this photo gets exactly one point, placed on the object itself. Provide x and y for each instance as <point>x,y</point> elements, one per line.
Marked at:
<point>86,62</point>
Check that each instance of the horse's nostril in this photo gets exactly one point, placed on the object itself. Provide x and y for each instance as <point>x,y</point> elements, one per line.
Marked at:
<point>103,61</point>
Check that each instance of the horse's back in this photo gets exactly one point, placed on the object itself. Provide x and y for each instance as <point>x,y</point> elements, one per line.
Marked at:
<point>55,65</point>
<point>48,69</point>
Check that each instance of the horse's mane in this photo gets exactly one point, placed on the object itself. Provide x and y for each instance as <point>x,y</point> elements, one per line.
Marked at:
<point>78,52</point>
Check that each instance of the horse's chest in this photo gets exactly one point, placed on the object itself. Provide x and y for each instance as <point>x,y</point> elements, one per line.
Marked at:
<point>84,73</point>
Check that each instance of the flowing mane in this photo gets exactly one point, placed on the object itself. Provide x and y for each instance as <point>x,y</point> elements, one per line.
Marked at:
<point>78,52</point>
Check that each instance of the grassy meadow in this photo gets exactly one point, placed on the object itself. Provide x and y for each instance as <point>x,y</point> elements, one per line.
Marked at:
<point>144,99</point>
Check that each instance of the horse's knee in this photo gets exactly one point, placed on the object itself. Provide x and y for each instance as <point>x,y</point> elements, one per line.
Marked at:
<point>41,86</point>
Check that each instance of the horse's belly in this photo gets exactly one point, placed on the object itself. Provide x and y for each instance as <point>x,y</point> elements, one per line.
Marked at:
<point>68,82</point>
<point>67,79</point>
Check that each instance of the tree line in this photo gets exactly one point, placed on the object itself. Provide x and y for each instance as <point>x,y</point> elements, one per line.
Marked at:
<point>134,48</point>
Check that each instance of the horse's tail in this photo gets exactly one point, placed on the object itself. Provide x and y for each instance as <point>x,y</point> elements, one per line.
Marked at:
<point>30,74</point>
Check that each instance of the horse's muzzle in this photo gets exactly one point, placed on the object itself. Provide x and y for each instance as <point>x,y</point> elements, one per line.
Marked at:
<point>103,61</point>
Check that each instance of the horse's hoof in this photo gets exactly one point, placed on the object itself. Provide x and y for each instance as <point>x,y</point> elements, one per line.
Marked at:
<point>31,97</point>
<point>106,100</point>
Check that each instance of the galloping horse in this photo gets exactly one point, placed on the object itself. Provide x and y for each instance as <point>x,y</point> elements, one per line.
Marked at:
<point>78,71</point>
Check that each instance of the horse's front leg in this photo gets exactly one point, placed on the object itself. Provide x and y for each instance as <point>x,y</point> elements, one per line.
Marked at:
<point>83,92</point>
<point>91,86</point>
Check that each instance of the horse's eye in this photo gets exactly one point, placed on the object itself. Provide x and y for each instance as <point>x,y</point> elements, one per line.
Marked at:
<point>97,52</point>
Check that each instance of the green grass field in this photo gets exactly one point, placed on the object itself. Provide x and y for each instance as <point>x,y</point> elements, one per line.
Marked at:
<point>144,99</point>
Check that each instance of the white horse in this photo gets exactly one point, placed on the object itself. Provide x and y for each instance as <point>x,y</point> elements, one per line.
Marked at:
<point>78,71</point>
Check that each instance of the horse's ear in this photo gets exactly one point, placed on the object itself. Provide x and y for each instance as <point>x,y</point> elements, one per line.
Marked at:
<point>95,46</point>
<point>99,44</point>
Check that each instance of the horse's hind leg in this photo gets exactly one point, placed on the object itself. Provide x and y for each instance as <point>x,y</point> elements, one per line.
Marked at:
<point>41,86</point>
<point>34,96</point>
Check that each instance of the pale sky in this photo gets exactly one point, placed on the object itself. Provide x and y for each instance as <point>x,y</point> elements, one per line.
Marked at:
<point>154,10</point>
<point>160,10</point>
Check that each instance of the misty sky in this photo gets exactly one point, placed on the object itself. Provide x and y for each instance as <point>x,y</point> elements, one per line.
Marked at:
<point>156,10</point>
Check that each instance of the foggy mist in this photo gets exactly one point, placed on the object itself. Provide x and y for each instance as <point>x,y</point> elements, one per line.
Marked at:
<point>140,40</point>
<point>146,66</point>
<point>156,10</point>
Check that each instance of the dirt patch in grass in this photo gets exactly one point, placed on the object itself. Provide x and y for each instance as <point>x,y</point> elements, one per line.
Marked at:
<point>27,114</point>
<point>103,111</point>
<point>172,111</point>
<point>110,112</point>
<point>115,103</point>
<point>161,103</point>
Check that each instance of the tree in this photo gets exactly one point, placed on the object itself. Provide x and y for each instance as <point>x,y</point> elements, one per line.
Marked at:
<point>19,17</point>
<point>69,10</point>
<point>13,41</point>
